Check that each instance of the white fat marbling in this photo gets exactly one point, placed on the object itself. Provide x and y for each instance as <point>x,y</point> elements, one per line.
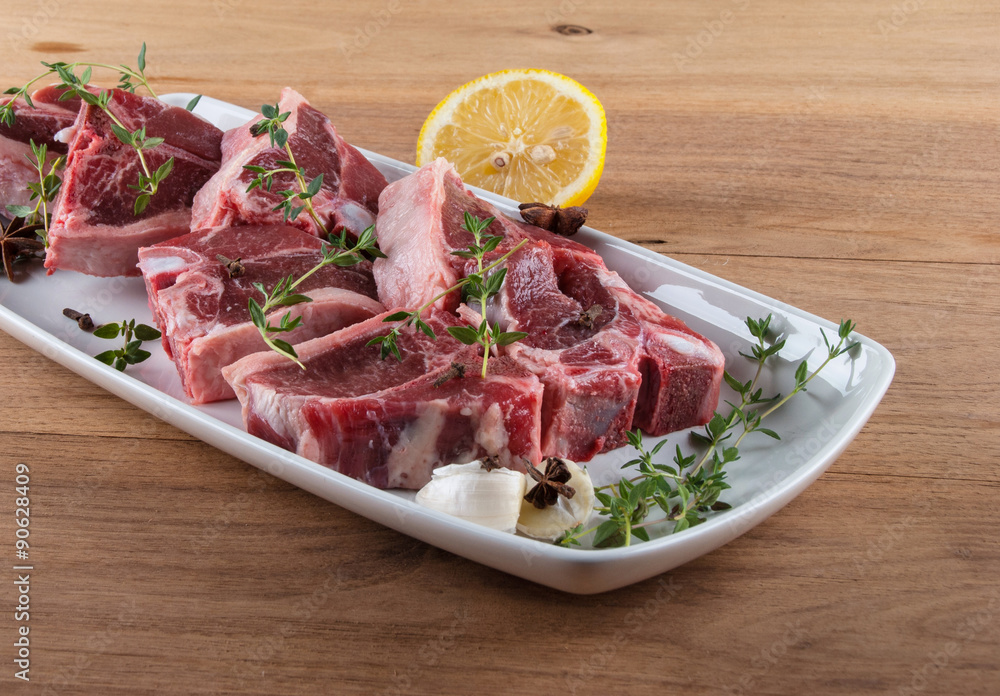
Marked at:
<point>164,264</point>
<point>683,345</point>
<point>491,434</point>
<point>415,452</point>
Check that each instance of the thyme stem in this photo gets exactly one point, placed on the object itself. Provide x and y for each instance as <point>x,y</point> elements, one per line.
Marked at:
<point>305,188</point>
<point>22,92</point>
<point>483,296</point>
<point>283,294</point>
<point>43,191</point>
<point>388,343</point>
<point>149,181</point>
<point>464,281</point>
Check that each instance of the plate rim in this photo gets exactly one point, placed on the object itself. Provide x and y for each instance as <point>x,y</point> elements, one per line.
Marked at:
<point>581,571</point>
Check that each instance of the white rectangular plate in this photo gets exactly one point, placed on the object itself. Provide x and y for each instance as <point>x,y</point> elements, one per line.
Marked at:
<point>814,431</point>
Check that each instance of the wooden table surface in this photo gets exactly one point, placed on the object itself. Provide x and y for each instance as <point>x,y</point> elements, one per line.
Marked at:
<point>838,156</point>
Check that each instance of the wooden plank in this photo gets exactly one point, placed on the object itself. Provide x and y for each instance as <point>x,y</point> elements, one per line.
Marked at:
<point>785,157</point>
<point>264,580</point>
<point>839,156</point>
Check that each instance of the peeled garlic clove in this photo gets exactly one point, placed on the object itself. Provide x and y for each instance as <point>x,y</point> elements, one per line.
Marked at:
<point>552,521</point>
<point>468,491</point>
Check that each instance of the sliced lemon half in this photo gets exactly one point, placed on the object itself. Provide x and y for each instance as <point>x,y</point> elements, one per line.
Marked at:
<point>530,135</point>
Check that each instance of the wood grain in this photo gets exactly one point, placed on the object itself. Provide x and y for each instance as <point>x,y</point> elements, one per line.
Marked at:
<point>842,157</point>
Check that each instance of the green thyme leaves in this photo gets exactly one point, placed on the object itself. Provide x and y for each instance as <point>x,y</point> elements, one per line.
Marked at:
<point>43,191</point>
<point>478,286</point>
<point>687,488</point>
<point>293,202</point>
<point>339,252</point>
<point>129,80</point>
<point>79,85</point>
<point>131,352</point>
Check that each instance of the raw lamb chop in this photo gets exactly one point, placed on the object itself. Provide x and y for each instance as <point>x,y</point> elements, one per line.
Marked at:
<point>387,422</point>
<point>606,370</point>
<point>203,312</point>
<point>419,225</point>
<point>583,346</point>
<point>40,124</point>
<point>347,200</point>
<point>610,359</point>
<point>94,228</point>
<point>681,370</point>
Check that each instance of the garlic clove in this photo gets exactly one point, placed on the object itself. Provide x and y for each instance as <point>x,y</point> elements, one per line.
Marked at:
<point>552,521</point>
<point>470,492</point>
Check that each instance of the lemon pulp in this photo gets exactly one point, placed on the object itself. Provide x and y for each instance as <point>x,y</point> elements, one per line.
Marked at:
<point>530,135</point>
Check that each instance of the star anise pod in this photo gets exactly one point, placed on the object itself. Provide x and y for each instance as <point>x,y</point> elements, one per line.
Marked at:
<point>19,240</point>
<point>550,485</point>
<point>563,221</point>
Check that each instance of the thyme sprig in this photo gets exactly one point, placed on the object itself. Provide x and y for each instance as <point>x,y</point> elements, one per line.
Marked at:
<point>43,191</point>
<point>338,252</point>
<point>482,287</point>
<point>74,85</point>
<point>149,180</point>
<point>77,85</point>
<point>129,80</point>
<point>130,353</point>
<point>689,488</point>
<point>478,282</point>
<point>293,202</point>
